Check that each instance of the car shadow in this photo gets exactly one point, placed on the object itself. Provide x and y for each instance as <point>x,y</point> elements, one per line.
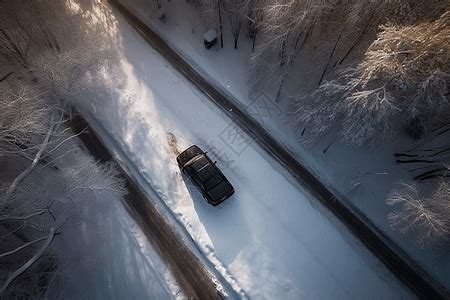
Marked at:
<point>225,224</point>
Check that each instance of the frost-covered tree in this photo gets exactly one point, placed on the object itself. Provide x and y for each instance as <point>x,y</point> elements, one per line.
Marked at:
<point>69,71</point>
<point>403,79</point>
<point>24,31</point>
<point>429,216</point>
<point>284,27</point>
<point>47,175</point>
<point>23,117</point>
<point>48,201</point>
<point>364,17</point>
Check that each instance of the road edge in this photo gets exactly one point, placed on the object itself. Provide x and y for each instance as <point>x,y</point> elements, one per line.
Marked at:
<point>388,252</point>
<point>200,280</point>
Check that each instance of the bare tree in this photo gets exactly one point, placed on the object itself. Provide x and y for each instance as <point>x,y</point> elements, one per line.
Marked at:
<point>254,19</point>
<point>208,12</point>
<point>42,196</point>
<point>403,78</point>
<point>284,27</point>
<point>50,175</point>
<point>15,36</point>
<point>25,31</point>
<point>52,200</point>
<point>14,44</point>
<point>430,216</point>
<point>24,115</point>
<point>237,11</point>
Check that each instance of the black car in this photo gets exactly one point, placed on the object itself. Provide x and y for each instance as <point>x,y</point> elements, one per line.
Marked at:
<point>205,175</point>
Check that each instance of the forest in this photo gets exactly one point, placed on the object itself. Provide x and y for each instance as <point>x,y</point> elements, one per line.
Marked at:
<point>49,56</point>
<point>368,72</point>
<point>384,75</point>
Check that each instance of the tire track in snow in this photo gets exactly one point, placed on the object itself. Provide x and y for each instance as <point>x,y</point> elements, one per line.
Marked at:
<point>193,275</point>
<point>400,264</point>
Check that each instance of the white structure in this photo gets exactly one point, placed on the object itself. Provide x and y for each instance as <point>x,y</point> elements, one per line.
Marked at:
<point>210,36</point>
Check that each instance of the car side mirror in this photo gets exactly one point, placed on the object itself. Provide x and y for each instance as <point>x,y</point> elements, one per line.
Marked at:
<point>215,162</point>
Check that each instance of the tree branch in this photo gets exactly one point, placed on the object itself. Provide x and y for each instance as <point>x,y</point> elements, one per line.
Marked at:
<point>6,76</point>
<point>21,247</point>
<point>30,168</point>
<point>30,262</point>
<point>13,218</point>
<point>62,142</point>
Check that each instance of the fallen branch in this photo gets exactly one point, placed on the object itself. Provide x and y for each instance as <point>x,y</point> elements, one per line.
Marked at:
<point>436,153</point>
<point>420,168</point>
<point>439,152</point>
<point>431,172</point>
<point>435,176</point>
<point>405,155</point>
<point>411,161</point>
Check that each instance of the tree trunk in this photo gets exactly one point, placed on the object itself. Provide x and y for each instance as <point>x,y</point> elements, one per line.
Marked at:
<point>277,98</point>
<point>21,247</point>
<point>220,24</point>
<point>254,42</point>
<point>359,39</point>
<point>329,58</point>
<point>28,170</point>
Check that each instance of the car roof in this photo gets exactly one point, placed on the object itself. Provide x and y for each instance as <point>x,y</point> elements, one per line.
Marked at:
<point>197,161</point>
<point>207,172</point>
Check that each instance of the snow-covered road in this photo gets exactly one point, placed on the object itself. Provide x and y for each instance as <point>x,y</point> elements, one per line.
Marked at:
<point>270,239</point>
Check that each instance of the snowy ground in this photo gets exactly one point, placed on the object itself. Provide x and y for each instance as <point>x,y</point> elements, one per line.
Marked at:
<point>107,256</point>
<point>269,240</point>
<point>362,176</point>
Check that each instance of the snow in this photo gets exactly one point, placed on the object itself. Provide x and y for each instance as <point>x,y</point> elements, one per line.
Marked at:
<point>270,239</point>
<point>107,256</point>
<point>362,177</point>
<point>210,35</point>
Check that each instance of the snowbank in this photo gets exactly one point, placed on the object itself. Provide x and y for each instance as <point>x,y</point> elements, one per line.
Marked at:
<point>269,239</point>
<point>363,177</point>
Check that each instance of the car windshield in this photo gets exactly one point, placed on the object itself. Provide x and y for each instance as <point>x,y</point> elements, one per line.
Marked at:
<point>207,173</point>
<point>188,154</point>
